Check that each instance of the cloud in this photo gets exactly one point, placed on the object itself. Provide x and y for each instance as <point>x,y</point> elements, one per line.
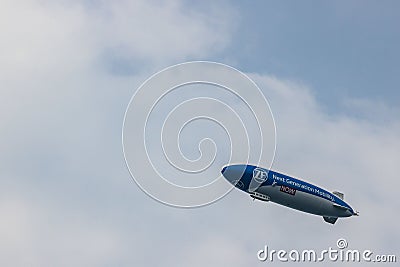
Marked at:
<point>356,155</point>
<point>44,35</point>
<point>64,92</point>
<point>62,62</point>
<point>59,50</point>
<point>162,30</point>
<point>67,71</point>
<point>36,234</point>
<point>220,250</point>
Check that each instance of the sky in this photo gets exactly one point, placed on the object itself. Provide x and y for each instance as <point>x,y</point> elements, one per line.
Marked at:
<point>68,69</point>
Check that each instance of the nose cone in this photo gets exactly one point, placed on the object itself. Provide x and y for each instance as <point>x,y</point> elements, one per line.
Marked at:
<point>234,174</point>
<point>223,170</point>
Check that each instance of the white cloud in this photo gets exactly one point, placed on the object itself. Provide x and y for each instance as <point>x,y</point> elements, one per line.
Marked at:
<point>340,152</point>
<point>161,30</point>
<point>34,234</point>
<point>70,201</point>
<point>219,250</point>
<point>58,60</point>
<point>42,36</point>
<point>336,151</point>
<point>61,110</point>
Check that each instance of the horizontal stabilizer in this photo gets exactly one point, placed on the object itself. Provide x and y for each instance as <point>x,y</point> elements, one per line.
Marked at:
<point>338,194</point>
<point>331,220</point>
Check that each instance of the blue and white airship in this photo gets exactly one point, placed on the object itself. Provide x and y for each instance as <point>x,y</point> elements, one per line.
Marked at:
<point>268,185</point>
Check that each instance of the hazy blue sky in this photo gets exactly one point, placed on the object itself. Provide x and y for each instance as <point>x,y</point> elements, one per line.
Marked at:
<point>330,71</point>
<point>351,44</point>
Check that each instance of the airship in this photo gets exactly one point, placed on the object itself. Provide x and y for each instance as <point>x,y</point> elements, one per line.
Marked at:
<point>267,185</point>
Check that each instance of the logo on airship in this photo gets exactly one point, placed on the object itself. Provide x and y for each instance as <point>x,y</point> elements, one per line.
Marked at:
<point>260,175</point>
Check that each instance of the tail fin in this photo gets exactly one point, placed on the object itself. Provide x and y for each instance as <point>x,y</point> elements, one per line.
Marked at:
<point>338,194</point>
<point>331,220</point>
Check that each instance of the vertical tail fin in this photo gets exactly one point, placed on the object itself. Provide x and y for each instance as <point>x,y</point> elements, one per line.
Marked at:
<point>331,220</point>
<point>338,194</point>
